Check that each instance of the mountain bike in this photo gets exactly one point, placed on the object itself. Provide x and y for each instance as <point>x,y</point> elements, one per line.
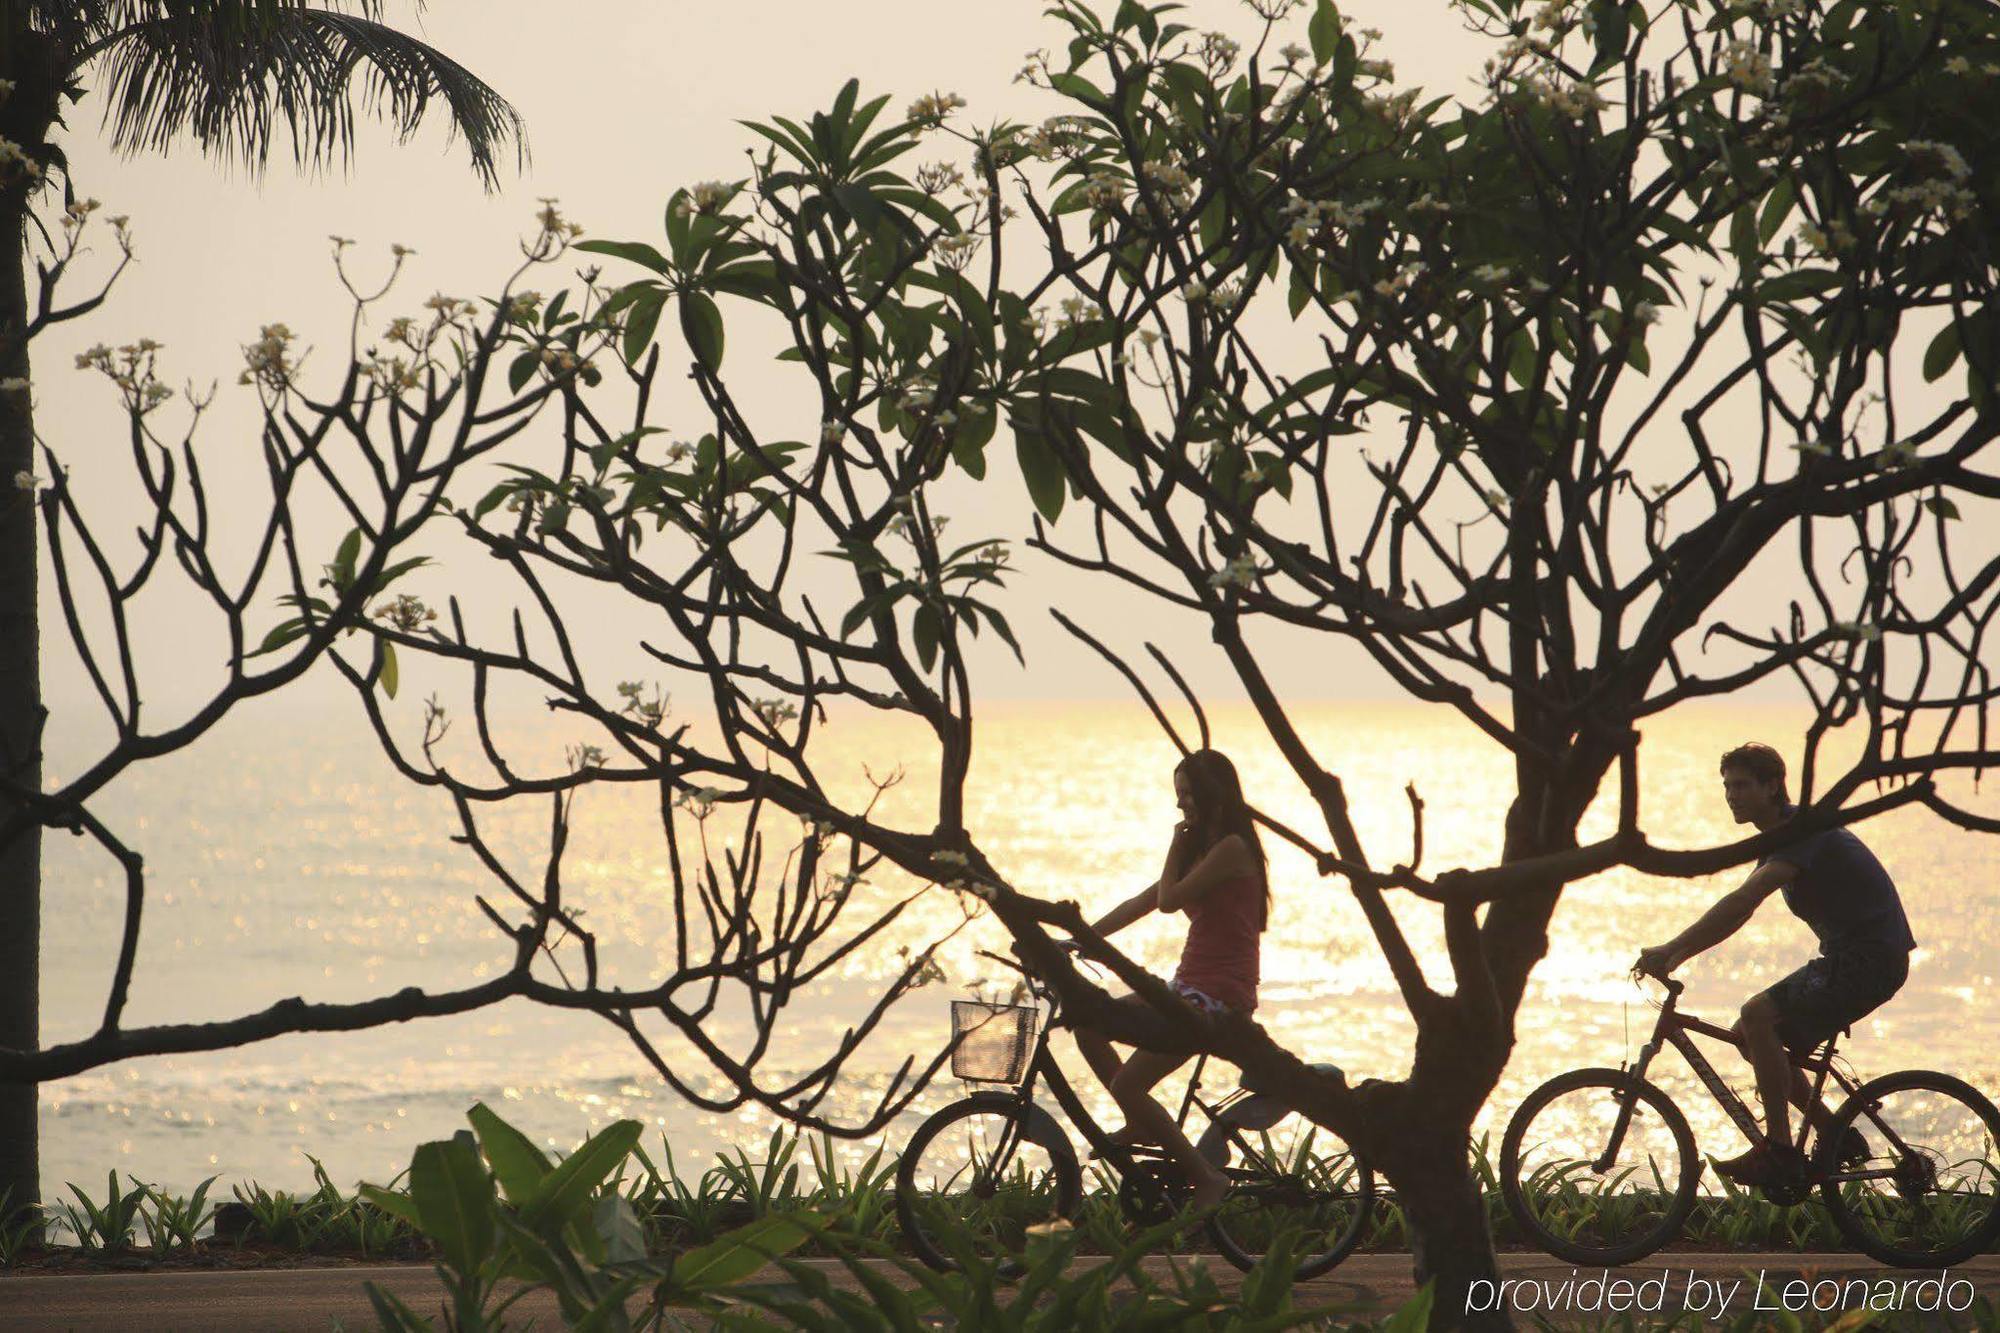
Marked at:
<point>1599,1165</point>
<point>986,1173</point>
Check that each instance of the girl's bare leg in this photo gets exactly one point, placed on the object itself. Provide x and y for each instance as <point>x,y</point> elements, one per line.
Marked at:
<point>1105,1062</point>
<point>1097,1053</point>
<point>1133,1087</point>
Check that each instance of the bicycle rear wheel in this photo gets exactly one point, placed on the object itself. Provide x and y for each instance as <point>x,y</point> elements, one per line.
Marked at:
<point>1293,1179</point>
<point>1928,1193</point>
<point>1579,1195</point>
<point>978,1176</point>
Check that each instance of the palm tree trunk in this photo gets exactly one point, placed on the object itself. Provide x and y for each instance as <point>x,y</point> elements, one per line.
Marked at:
<point>20,723</point>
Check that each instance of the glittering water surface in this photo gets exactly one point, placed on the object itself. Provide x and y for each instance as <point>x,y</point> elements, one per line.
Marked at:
<point>291,860</point>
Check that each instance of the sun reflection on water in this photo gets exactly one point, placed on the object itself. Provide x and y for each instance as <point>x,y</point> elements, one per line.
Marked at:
<point>313,870</point>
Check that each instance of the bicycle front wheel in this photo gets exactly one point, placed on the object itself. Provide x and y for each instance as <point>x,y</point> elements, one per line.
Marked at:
<point>1599,1167</point>
<point>979,1176</point>
<point>1927,1192</point>
<point>1294,1180</point>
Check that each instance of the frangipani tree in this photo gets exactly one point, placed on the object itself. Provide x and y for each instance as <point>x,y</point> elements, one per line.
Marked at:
<point>1656,223</point>
<point>1698,298</point>
<point>1513,288</point>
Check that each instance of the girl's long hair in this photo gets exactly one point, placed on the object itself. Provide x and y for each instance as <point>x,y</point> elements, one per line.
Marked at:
<point>1220,810</point>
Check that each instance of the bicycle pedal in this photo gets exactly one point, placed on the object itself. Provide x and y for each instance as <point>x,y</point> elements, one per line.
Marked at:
<point>1137,1152</point>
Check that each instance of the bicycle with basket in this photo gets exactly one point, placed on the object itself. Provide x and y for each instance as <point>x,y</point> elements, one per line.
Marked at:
<point>983,1173</point>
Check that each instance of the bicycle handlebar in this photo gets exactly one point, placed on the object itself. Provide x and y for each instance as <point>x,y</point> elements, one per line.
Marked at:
<point>1674,988</point>
<point>1017,965</point>
<point>1013,963</point>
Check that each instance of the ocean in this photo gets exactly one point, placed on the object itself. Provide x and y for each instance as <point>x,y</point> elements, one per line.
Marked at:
<point>285,857</point>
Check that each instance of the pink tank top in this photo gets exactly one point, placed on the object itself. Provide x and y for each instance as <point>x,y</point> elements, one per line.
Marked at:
<point>1220,958</point>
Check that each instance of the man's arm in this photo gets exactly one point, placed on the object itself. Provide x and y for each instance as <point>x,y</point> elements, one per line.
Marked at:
<point>1719,922</point>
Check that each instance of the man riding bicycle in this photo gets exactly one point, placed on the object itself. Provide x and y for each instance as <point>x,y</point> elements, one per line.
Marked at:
<point>1832,882</point>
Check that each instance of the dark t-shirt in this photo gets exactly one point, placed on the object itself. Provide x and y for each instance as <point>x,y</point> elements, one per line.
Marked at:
<point>1843,892</point>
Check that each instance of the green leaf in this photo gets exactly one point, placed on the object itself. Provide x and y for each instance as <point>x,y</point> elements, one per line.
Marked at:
<point>1942,506</point>
<point>454,1199</point>
<point>395,1316</point>
<point>640,323</point>
<point>393,1203</point>
<point>1415,1314</point>
<point>1521,357</point>
<point>552,313</point>
<point>680,215</point>
<point>389,677</point>
<point>1006,631</point>
<point>1040,469</point>
<point>343,560</point>
<point>861,205</point>
<point>1324,31</point>
<point>396,571</point>
<point>618,1227</point>
<point>1138,16</point>
<point>1799,282</point>
<point>1637,357</point>
<point>1346,59</point>
<point>1299,293</point>
<point>636,251</point>
<point>1614,30</point>
<point>562,1194</point>
<point>1776,209</point>
<point>924,629</point>
<point>521,370</point>
<point>701,322</point>
<point>283,634</point>
<point>1941,355</point>
<point>751,279</point>
<point>857,614</point>
<point>1743,235</point>
<point>732,1257</point>
<point>493,499</point>
<point>968,443</point>
<point>517,1163</point>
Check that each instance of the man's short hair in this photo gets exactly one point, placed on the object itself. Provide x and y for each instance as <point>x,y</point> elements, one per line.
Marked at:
<point>1760,761</point>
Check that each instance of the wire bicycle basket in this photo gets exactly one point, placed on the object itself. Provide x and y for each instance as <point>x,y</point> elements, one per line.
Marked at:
<point>991,1043</point>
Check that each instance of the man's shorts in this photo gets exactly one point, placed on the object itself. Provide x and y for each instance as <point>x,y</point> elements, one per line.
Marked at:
<point>1834,990</point>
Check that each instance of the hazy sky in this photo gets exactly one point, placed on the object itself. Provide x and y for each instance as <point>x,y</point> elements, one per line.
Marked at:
<point>624,101</point>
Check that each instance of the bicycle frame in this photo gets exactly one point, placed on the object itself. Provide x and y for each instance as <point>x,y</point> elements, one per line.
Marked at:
<point>1042,1065</point>
<point>1679,1030</point>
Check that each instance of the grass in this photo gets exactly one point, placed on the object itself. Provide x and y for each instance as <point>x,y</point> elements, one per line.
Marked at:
<point>793,1172</point>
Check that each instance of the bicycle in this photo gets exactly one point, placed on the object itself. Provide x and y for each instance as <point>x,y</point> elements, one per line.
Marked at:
<point>986,1173</point>
<point>1599,1165</point>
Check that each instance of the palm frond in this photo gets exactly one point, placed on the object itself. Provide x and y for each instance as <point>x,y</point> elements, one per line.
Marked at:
<point>102,17</point>
<point>237,76</point>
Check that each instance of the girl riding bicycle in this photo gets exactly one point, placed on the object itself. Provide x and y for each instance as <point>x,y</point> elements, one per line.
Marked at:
<point>1214,872</point>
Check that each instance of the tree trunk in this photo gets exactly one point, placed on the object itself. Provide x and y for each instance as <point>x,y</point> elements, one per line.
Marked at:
<point>1444,1213</point>
<point>1463,1046</point>
<point>20,724</point>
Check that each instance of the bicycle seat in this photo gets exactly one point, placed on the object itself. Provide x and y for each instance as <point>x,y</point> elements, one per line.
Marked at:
<point>1251,1085</point>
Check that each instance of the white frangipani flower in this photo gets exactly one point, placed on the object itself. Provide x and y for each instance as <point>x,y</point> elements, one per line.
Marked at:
<point>934,106</point>
<point>1747,67</point>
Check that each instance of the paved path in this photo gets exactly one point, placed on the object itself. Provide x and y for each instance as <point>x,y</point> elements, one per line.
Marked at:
<point>311,1299</point>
